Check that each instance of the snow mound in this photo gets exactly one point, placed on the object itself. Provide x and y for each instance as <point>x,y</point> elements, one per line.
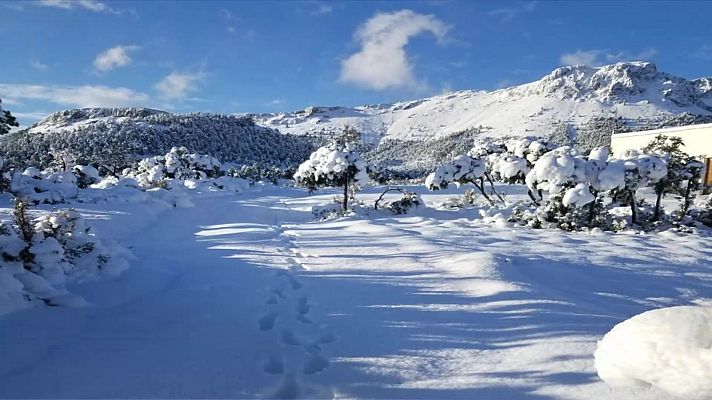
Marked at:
<point>669,349</point>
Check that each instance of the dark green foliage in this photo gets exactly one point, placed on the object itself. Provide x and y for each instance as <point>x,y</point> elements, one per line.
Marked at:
<point>115,142</point>
<point>683,171</point>
<point>7,120</point>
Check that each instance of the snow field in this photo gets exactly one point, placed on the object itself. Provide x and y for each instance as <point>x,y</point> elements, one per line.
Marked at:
<point>248,296</point>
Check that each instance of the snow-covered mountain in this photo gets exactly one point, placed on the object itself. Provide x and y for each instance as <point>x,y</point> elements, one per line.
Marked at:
<point>103,135</point>
<point>576,105</point>
<point>635,93</point>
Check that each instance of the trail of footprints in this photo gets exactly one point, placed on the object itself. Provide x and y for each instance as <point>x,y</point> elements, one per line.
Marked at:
<point>300,340</point>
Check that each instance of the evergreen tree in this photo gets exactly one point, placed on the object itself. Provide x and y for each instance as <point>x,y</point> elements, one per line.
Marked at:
<point>681,167</point>
<point>337,164</point>
<point>7,120</point>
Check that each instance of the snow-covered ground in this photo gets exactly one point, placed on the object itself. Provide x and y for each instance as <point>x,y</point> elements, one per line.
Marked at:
<point>246,295</point>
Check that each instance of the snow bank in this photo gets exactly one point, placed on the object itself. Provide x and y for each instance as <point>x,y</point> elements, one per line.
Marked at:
<point>669,348</point>
<point>36,265</point>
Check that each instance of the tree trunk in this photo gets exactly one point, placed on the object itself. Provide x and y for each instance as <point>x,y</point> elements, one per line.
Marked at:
<point>345,204</point>
<point>659,189</point>
<point>687,201</point>
<point>481,188</point>
<point>592,210</point>
<point>531,196</point>
<point>633,207</point>
<point>489,179</point>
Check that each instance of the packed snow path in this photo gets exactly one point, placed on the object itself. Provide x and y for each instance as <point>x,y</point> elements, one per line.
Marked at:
<point>246,296</point>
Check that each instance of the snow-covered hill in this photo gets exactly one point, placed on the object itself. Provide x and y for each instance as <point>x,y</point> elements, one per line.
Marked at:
<point>576,105</point>
<point>120,135</point>
<point>634,92</point>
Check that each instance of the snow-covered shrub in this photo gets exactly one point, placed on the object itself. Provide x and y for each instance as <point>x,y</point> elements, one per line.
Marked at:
<point>87,255</point>
<point>626,175</point>
<point>335,165</point>
<point>704,213</point>
<point>669,349</point>
<point>86,175</point>
<point>44,187</point>
<point>528,148</point>
<point>177,164</point>
<point>408,201</point>
<point>684,172</point>
<point>258,173</point>
<point>40,256</point>
<point>460,171</point>
<point>328,211</point>
<point>509,168</point>
<point>572,182</point>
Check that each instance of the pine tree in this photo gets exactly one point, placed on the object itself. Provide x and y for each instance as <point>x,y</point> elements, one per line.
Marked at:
<point>681,167</point>
<point>7,120</point>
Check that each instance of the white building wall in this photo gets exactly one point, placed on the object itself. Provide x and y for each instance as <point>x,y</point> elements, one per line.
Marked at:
<point>697,139</point>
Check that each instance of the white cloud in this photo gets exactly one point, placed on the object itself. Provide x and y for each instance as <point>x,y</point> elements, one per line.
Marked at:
<point>114,57</point>
<point>323,9</point>
<point>509,13</point>
<point>37,64</point>
<point>177,85</point>
<point>580,57</point>
<point>76,96</point>
<point>597,57</point>
<point>382,62</point>
<point>91,5</point>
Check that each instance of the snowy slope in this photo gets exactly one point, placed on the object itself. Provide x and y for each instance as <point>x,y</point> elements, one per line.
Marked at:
<point>570,95</point>
<point>255,299</point>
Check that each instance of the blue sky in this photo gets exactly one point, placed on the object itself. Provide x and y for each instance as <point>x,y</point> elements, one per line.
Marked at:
<point>236,57</point>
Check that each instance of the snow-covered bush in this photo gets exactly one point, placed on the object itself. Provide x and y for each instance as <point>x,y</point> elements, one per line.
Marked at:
<point>329,210</point>
<point>572,183</point>
<point>177,164</point>
<point>624,176</point>
<point>683,176</point>
<point>408,201</point>
<point>86,175</point>
<point>259,173</point>
<point>44,187</point>
<point>669,349</point>
<point>528,148</point>
<point>509,168</point>
<point>704,214</point>
<point>40,256</point>
<point>335,165</point>
<point>460,171</point>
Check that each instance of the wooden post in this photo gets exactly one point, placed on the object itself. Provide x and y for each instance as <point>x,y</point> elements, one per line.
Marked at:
<point>707,182</point>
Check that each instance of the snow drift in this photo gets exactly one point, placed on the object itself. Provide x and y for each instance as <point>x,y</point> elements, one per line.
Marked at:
<point>669,349</point>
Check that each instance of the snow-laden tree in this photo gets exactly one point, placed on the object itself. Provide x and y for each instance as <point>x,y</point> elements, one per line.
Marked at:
<point>556,171</point>
<point>38,257</point>
<point>177,164</point>
<point>7,120</point>
<point>627,174</point>
<point>335,165</point>
<point>684,172</point>
<point>86,175</point>
<point>460,171</point>
<point>529,148</point>
<point>491,152</point>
